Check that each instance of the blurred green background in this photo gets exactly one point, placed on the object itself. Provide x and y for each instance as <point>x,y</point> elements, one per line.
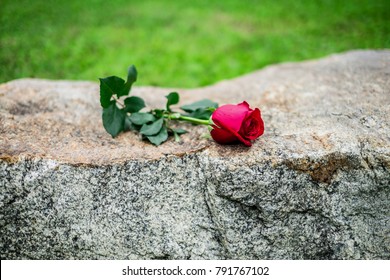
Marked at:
<point>179,43</point>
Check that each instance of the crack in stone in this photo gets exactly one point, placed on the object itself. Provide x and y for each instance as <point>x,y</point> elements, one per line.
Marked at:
<point>217,230</point>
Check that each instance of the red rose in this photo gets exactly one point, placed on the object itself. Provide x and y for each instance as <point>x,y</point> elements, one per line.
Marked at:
<point>234,123</point>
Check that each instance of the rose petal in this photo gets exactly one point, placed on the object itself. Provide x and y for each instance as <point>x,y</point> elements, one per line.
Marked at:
<point>223,136</point>
<point>229,125</point>
<point>253,126</point>
<point>231,116</point>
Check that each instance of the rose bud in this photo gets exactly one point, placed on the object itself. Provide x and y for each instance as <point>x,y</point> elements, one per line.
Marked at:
<point>234,123</point>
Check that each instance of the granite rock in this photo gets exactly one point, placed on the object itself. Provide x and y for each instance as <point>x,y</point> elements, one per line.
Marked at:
<point>316,185</point>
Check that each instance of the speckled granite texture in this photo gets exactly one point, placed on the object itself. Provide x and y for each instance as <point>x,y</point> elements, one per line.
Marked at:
<point>316,185</point>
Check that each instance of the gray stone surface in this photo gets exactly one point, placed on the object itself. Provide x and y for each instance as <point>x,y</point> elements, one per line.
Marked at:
<point>316,185</point>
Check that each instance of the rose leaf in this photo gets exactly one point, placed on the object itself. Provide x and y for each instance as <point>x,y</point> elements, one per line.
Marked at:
<point>113,119</point>
<point>173,98</point>
<point>201,104</point>
<point>159,138</point>
<point>141,118</point>
<point>108,87</point>
<point>133,104</point>
<point>153,128</point>
<point>131,78</point>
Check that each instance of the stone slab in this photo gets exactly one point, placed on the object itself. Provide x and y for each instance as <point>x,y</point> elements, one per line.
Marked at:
<point>316,185</point>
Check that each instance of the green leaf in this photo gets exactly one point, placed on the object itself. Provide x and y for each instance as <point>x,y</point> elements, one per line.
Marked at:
<point>108,87</point>
<point>128,125</point>
<point>173,98</point>
<point>159,113</point>
<point>134,104</point>
<point>206,136</point>
<point>201,113</point>
<point>113,119</point>
<point>202,104</point>
<point>141,118</point>
<point>153,128</point>
<point>131,78</point>
<point>179,130</point>
<point>159,138</point>
<point>131,75</point>
<point>177,136</point>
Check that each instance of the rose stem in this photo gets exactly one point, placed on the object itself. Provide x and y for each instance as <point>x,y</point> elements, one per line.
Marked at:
<point>188,119</point>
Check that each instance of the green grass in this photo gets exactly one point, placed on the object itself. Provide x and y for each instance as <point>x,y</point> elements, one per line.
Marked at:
<point>179,43</point>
